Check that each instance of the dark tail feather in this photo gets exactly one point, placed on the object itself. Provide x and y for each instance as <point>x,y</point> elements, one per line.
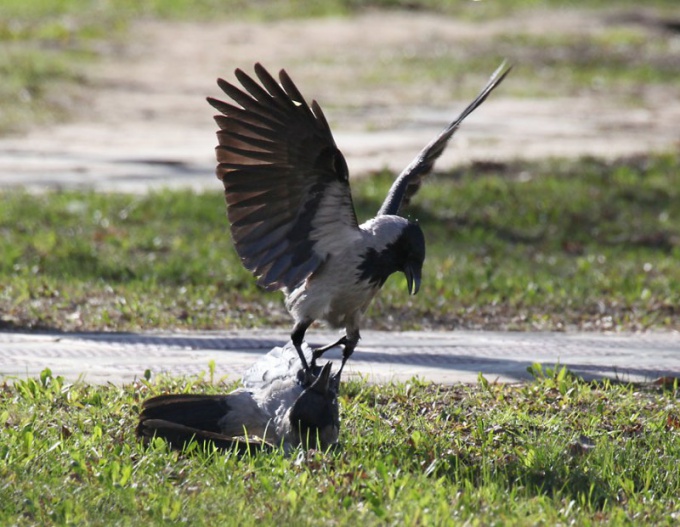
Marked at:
<point>201,412</point>
<point>181,418</point>
<point>179,436</point>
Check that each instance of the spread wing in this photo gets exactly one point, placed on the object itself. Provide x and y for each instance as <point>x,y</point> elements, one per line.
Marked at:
<point>409,181</point>
<point>286,183</point>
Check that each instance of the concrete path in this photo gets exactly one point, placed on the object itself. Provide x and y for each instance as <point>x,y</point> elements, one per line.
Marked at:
<point>447,357</point>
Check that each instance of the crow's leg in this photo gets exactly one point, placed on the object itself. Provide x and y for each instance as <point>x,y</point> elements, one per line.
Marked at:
<point>351,342</point>
<point>318,352</point>
<point>298,336</point>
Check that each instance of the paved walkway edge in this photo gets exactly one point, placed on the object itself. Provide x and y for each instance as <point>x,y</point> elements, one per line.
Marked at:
<point>446,357</point>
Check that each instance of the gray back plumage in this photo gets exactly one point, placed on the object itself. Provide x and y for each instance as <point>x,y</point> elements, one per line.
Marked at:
<point>280,363</point>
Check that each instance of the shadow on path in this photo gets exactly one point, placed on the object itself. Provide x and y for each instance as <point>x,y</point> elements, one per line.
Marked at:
<point>509,357</point>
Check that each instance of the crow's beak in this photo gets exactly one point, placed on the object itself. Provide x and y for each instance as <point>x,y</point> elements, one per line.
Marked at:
<point>322,383</point>
<point>412,279</point>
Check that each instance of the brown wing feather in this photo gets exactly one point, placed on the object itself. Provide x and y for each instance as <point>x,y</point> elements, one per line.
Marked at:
<point>279,164</point>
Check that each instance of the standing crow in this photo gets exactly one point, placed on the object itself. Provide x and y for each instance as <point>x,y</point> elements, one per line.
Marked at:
<point>281,404</point>
<point>290,206</point>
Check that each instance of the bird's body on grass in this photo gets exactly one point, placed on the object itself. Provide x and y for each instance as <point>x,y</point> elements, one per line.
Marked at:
<point>281,404</point>
<point>290,207</point>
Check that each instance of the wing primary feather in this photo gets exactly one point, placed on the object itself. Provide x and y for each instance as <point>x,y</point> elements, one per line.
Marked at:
<point>261,144</point>
<point>290,88</point>
<point>409,180</point>
<point>235,124</point>
<point>250,103</point>
<point>260,170</point>
<point>285,180</point>
<point>255,214</point>
<point>321,118</point>
<point>496,78</point>
<point>179,437</point>
<point>193,410</point>
<point>223,107</point>
<point>234,112</point>
<point>248,199</point>
<point>264,96</point>
<point>246,232</point>
<point>258,155</point>
<point>274,88</point>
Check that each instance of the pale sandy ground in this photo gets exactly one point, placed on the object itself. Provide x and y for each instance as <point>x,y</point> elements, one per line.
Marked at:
<point>145,122</point>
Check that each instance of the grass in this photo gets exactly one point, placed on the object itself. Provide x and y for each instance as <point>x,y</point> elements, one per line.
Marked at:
<point>556,451</point>
<point>547,245</point>
<point>624,62</point>
<point>47,49</point>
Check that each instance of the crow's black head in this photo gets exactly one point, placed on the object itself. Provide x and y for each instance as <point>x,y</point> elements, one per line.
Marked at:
<point>410,253</point>
<point>404,253</point>
<point>315,415</point>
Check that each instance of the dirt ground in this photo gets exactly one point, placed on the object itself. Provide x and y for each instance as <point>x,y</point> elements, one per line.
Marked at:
<point>146,123</point>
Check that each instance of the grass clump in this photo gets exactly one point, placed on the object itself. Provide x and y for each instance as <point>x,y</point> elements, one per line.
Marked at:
<point>553,451</point>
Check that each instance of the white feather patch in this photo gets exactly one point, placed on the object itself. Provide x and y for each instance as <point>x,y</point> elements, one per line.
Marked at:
<point>333,227</point>
<point>383,230</point>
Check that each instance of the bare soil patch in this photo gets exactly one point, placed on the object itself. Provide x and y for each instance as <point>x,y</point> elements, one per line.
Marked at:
<point>147,123</point>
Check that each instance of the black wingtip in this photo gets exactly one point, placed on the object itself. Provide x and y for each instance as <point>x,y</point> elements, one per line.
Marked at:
<point>223,84</point>
<point>409,180</point>
<point>215,103</point>
<point>499,75</point>
<point>505,65</point>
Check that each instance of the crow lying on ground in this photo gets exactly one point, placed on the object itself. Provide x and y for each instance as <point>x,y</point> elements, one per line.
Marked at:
<point>282,403</point>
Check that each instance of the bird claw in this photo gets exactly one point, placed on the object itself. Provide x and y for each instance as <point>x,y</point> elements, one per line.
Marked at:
<point>346,354</point>
<point>306,377</point>
<point>318,352</point>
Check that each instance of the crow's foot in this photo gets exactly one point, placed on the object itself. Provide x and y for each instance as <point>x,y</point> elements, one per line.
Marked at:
<point>318,352</point>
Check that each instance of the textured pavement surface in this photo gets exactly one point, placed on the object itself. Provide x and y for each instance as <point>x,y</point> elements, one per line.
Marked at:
<point>446,357</point>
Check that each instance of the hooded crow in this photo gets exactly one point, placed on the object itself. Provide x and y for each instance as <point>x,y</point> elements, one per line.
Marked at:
<point>281,404</point>
<point>290,207</point>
